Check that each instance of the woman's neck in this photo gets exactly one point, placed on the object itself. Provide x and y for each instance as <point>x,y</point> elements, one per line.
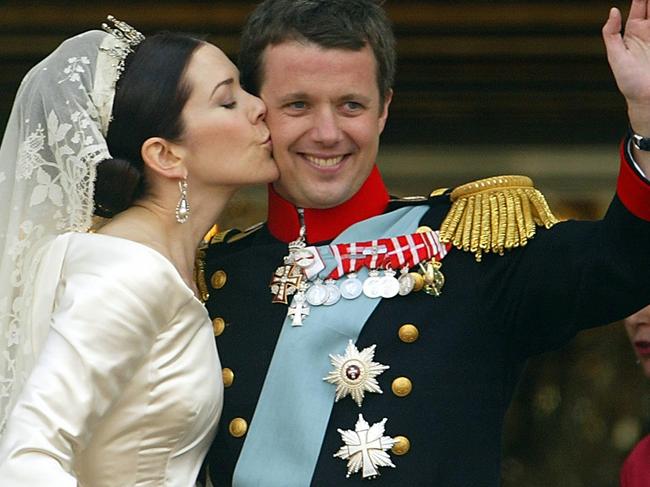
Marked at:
<point>152,222</point>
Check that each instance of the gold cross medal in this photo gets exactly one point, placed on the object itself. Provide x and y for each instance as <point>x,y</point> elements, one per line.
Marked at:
<point>365,448</point>
<point>285,282</point>
<point>355,373</point>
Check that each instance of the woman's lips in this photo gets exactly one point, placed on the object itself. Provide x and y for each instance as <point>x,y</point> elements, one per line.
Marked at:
<point>642,347</point>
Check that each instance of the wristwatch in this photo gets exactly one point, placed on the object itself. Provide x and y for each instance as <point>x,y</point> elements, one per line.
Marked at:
<point>640,142</point>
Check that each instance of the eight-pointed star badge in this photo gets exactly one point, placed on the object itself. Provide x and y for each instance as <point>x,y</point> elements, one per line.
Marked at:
<point>365,448</point>
<point>354,373</point>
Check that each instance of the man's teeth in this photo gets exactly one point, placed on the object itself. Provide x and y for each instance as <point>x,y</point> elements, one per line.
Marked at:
<point>329,162</point>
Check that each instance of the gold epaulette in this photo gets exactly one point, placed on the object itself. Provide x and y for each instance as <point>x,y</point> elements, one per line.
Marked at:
<point>214,230</point>
<point>437,192</point>
<point>248,231</point>
<point>495,214</point>
<point>219,237</point>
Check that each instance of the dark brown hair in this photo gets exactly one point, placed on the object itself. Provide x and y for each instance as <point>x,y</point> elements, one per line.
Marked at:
<point>149,98</point>
<point>332,24</point>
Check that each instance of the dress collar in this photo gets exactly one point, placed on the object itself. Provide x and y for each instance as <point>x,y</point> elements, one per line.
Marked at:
<point>325,224</point>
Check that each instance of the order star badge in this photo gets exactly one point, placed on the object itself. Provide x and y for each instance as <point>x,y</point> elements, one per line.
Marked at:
<point>365,448</point>
<point>354,373</point>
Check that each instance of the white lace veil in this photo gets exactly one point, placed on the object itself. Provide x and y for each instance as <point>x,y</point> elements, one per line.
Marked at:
<point>52,144</point>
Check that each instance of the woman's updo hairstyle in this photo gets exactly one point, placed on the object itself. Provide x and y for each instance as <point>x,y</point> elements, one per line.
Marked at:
<point>149,98</point>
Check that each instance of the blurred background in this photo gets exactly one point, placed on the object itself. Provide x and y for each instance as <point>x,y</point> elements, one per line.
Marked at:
<point>483,88</point>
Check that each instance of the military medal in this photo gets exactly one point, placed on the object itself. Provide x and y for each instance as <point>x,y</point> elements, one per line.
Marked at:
<point>285,282</point>
<point>406,282</point>
<point>352,287</point>
<point>317,293</point>
<point>365,448</point>
<point>298,309</point>
<point>433,278</point>
<point>333,292</point>
<point>372,285</point>
<point>303,265</point>
<point>389,284</point>
<point>355,373</point>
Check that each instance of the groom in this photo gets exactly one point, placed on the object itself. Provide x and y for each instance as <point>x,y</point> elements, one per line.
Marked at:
<point>361,337</point>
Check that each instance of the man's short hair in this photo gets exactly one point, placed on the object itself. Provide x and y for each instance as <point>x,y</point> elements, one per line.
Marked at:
<point>331,24</point>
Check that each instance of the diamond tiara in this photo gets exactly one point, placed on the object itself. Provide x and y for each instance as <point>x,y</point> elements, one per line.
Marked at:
<point>128,38</point>
<point>118,44</point>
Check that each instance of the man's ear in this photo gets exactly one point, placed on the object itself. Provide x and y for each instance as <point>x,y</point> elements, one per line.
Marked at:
<point>383,116</point>
<point>164,158</point>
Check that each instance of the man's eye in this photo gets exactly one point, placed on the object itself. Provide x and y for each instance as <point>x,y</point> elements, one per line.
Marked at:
<point>297,105</point>
<point>353,105</point>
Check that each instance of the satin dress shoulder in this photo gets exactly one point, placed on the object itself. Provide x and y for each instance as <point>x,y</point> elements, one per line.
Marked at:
<point>127,389</point>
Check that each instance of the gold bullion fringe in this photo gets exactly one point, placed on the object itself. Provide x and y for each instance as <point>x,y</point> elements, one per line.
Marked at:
<point>495,214</point>
<point>199,273</point>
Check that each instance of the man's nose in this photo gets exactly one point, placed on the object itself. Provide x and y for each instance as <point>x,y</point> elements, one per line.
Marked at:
<point>327,130</point>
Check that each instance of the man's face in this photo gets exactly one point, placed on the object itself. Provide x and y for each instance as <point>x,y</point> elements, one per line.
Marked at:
<point>325,118</point>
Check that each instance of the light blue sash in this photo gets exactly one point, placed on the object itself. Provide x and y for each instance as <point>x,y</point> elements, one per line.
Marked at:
<point>288,427</point>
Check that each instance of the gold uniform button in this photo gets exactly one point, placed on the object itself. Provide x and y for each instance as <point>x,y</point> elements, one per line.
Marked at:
<point>402,445</point>
<point>228,376</point>
<point>218,279</point>
<point>238,427</point>
<point>424,229</point>
<point>408,333</point>
<point>402,386</point>
<point>218,325</point>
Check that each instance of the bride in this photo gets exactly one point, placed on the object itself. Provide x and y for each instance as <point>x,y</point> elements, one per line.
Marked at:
<point>109,374</point>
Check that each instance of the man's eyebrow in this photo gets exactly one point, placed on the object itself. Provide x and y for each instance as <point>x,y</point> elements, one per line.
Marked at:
<point>297,95</point>
<point>301,95</point>
<point>356,97</point>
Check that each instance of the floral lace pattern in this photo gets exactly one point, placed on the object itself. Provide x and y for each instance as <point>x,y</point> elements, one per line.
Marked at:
<point>47,168</point>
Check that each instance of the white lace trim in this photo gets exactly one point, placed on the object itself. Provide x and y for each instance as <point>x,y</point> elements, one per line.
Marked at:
<point>48,159</point>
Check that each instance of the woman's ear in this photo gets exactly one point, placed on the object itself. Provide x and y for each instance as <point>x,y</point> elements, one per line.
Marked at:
<point>164,158</point>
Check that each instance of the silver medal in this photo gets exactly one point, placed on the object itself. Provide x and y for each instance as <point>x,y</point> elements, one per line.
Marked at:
<point>389,284</point>
<point>352,287</point>
<point>372,285</point>
<point>298,310</point>
<point>406,282</point>
<point>333,293</point>
<point>317,293</point>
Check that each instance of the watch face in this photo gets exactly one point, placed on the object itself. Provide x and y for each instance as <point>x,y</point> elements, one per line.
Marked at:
<point>644,144</point>
<point>640,142</point>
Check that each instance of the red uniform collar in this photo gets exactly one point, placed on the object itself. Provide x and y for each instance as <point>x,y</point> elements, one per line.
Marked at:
<point>325,224</point>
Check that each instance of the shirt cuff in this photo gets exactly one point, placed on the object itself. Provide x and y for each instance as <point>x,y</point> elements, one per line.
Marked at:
<point>633,187</point>
<point>630,157</point>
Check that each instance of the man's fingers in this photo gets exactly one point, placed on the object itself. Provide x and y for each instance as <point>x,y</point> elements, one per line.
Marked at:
<point>612,35</point>
<point>638,10</point>
<point>613,25</point>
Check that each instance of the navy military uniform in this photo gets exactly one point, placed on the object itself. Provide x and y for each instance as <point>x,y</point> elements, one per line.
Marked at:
<point>454,359</point>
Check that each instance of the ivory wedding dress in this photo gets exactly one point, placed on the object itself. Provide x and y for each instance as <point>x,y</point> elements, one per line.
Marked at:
<point>128,389</point>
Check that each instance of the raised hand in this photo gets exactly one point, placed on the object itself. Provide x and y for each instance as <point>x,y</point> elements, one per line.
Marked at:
<point>629,58</point>
<point>629,54</point>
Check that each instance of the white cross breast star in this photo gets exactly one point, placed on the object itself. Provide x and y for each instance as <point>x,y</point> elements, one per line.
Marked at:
<point>365,448</point>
